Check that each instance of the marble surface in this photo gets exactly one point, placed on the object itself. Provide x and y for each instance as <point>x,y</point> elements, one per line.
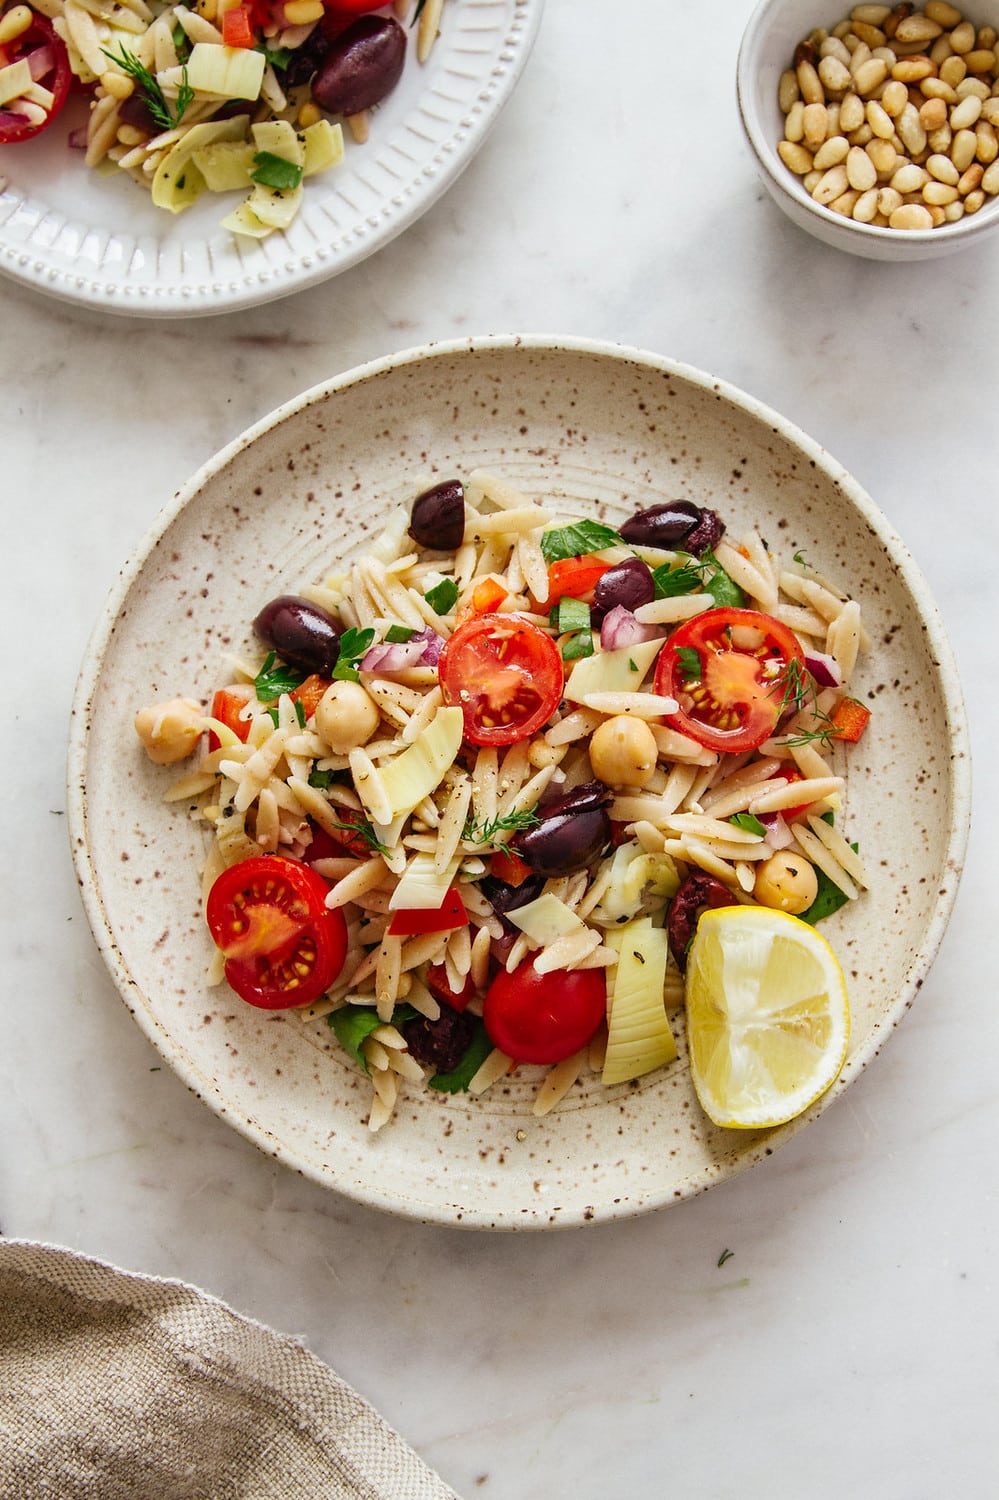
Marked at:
<point>825,1322</point>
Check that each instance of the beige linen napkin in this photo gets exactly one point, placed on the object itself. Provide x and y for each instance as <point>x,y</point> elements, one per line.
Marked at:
<point>115,1386</point>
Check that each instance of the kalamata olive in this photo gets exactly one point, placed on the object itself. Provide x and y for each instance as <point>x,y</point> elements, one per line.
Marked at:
<point>573,830</point>
<point>438,518</point>
<point>503,897</point>
<point>440,1044</point>
<point>665,525</point>
<point>305,61</point>
<point>363,65</point>
<point>697,892</point>
<point>301,633</point>
<point>628,583</point>
<point>707,533</point>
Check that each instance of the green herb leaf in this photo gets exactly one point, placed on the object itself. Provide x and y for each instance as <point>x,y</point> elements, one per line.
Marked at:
<point>690,662</point>
<point>724,590</point>
<point>353,644</point>
<point>417,12</point>
<point>460,1077</point>
<point>321,780</point>
<point>278,57</point>
<point>443,597</point>
<point>829,898</point>
<point>300,713</point>
<point>725,1255</point>
<point>578,645</point>
<point>746,821</point>
<point>353,1024</point>
<point>275,678</point>
<point>673,581</point>
<point>800,559</point>
<point>570,614</point>
<point>398,634</point>
<point>275,172</point>
<point>577,540</point>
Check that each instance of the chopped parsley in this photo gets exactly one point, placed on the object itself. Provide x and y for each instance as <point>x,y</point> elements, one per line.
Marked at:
<point>747,822</point>
<point>353,644</point>
<point>443,597</point>
<point>570,614</point>
<point>275,172</point>
<point>275,678</point>
<point>397,635</point>
<point>689,659</point>
<point>578,645</point>
<point>577,540</point>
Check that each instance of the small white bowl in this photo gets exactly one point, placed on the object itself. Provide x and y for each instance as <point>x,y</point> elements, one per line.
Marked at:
<point>774,30</point>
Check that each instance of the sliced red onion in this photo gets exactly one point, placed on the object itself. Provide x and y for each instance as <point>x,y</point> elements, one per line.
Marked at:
<point>621,628</point>
<point>778,834</point>
<point>41,61</point>
<point>421,650</point>
<point>10,117</point>
<point>825,669</point>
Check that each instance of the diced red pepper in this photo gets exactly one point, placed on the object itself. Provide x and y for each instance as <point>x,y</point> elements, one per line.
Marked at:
<point>576,577</point>
<point>310,692</point>
<point>850,719</point>
<point>509,867</point>
<point>411,921</point>
<point>226,707</point>
<point>237,28</point>
<point>437,984</point>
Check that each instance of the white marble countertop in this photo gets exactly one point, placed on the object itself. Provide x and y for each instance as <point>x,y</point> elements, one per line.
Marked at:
<point>848,1344</point>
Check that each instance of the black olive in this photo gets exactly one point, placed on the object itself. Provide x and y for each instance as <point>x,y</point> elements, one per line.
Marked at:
<point>503,897</point>
<point>629,583</point>
<point>665,525</point>
<point>440,1044</point>
<point>438,518</point>
<point>697,892</point>
<point>363,65</point>
<point>574,830</point>
<point>301,633</point>
<point>706,534</point>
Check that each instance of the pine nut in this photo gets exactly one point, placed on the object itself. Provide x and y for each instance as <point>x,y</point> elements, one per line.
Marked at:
<point>970,179</point>
<point>874,15</point>
<point>990,179</point>
<point>939,88</point>
<point>303,12</point>
<point>831,152</point>
<point>833,47</point>
<point>966,113</point>
<point>788,92</point>
<point>884,156</point>
<point>990,111</point>
<point>980,60</point>
<point>974,201</point>
<point>845,203</point>
<point>911,132</point>
<point>938,215</point>
<point>911,216</point>
<point>894,98</point>
<point>908,179</point>
<point>912,69</point>
<point>118,85</point>
<point>880,120</point>
<point>987,148</point>
<point>953,212</point>
<point>309,114</point>
<point>866,206</point>
<point>869,75</point>
<point>794,125</point>
<point>831,185</point>
<point>962,38</point>
<point>795,157</point>
<point>816,123</point>
<point>888,201</point>
<point>962,149</point>
<point>976,86</point>
<point>943,14</point>
<point>940,193</point>
<point>861,172</point>
<point>835,76</point>
<point>987,37</point>
<point>953,70</point>
<point>872,35</point>
<point>851,113</point>
<point>933,114</point>
<point>810,83</point>
<point>917,28</point>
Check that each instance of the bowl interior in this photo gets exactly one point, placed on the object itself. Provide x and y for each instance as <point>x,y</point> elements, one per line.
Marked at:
<point>771,35</point>
<point>608,430</point>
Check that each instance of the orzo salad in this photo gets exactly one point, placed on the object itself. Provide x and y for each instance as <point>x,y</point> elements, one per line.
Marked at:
<point>470,795</point>
<point>220,96</point>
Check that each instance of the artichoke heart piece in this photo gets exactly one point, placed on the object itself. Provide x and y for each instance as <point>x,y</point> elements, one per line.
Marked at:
<point>226,72</point>
<point>419,770</point>
<point>619,671</point>
<point>226,165</point>
<point>639,1038</point>
<point>177,181</point>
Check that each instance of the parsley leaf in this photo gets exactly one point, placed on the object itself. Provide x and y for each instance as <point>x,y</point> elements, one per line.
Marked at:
<point>353,1024</point>
<point>353,644</point>
<point>746,821</point>
<point>690,662</point>
<point>399,634</point>
<point>443,597</point>
<point>671,581</point>
<point>275,678</point>
<point>578,645</point>
<point>275,172</point>
<point>570,614</point>
<point>577,540</point>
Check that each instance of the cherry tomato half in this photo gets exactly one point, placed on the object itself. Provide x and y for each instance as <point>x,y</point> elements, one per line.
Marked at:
<point>49,61</point>
<point>282,945</point>
<point>504,674</point>
<point>544,1018</point>
<point>731,672</point>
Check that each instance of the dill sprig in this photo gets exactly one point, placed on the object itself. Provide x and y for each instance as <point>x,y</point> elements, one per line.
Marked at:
<point>484,831</point>
<point>799,693</point>
<point>153,96</point>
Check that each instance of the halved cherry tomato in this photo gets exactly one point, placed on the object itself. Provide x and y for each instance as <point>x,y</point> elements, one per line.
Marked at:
<point>544,1018</point>
<point>282,945</point>
<point>337,846</point>
<point>575,576</point>
<point>504,674</point>
<point>410,920</point>
<point>437,984</point>
<point>731,672</point>
<point>227,705</point>
<point>48,59</point>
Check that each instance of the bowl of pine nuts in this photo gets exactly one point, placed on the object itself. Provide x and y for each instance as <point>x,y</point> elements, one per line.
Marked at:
<point>876,127</point>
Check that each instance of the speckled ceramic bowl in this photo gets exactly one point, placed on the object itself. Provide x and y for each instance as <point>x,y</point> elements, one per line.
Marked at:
<point>608,429</point>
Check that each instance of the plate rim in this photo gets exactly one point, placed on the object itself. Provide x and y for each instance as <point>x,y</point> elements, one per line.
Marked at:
<point>958,784</point>
<point>186,297</point>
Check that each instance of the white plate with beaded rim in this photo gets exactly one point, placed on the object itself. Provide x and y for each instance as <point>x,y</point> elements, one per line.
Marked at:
<point>607,429</point>
<point>100,242</point>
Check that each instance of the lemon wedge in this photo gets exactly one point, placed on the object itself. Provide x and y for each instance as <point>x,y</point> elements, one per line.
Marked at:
<point>768,1019</point>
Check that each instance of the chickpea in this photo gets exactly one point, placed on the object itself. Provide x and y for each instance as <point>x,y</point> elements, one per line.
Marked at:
<point>623,751</point>
<point>169,731</point>
<point>786,882</point>
<point>346,716</point>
